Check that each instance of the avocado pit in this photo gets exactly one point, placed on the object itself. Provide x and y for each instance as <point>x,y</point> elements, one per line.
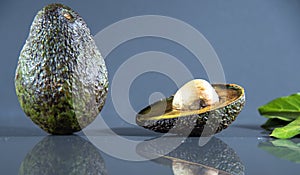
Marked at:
<point>195,95</point>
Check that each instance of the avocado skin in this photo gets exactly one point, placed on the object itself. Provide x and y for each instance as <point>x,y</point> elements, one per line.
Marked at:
<point>216,154</point>
<point>61,79</point>
<point>219,119</point>
<point>63,155</point>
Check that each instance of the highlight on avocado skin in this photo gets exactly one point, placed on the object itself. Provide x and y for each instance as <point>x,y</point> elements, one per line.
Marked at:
<point>61,79</point>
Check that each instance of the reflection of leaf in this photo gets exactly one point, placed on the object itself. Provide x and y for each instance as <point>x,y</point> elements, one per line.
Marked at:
<point>286,143</point>
<point>288,131</point>
<point>284,108</point>
<point>284,149</point>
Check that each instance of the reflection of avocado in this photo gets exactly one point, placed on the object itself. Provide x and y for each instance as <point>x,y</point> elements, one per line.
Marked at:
<point>61,78</point>
<point>215,155</point>
<point>63,155</point>
<point>162,117</point>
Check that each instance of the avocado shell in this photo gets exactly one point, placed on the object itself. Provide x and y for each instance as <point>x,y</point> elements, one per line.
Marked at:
<point>161,117</point>
<point>63,155</point>
<point>214,155</point>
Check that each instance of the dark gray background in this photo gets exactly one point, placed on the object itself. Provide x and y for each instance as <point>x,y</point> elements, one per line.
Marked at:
<point>257,42</point>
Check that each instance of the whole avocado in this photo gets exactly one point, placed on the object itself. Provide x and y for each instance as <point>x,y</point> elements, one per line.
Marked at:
<point>61,79</point>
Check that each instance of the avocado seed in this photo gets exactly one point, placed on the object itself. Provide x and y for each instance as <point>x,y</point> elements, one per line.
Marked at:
<point>195,95</point>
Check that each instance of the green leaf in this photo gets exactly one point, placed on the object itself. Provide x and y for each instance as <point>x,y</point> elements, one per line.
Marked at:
<point>284,108</point>
<point>288,131</point>
<point>273,123</point>
<point>284,149</point>
<point>288,118</point>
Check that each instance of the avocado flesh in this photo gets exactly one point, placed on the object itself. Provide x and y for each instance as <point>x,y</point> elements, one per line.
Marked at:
<point>61,78</point>
<point>161,117</point>
<point>70,155</point>
<point>215,155</point>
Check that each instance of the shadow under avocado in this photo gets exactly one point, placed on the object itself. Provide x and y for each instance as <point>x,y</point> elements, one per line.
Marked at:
<point>6,131</point>
<point>215,157</point>
<point>283,149</point>
<point>61,155</point>
<point>122,131</point>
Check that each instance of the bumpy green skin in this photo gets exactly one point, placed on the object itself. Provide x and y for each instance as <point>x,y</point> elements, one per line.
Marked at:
<point>61,79</point>
<point>215,154</point>
<point>70,155</point>
<point>211,121</point>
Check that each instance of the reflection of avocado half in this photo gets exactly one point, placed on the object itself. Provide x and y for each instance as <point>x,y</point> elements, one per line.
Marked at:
<point>161,116</point>
<point>213,156</point>
<point>189,168</point>
<point>63,155</point>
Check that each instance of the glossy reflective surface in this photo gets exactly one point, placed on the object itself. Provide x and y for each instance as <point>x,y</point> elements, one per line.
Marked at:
<point>240,149</point>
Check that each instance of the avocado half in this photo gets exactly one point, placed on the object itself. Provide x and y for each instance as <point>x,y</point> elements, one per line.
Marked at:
<point>161,117</point>
<point>63,155</point>
<point>214,156</point>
